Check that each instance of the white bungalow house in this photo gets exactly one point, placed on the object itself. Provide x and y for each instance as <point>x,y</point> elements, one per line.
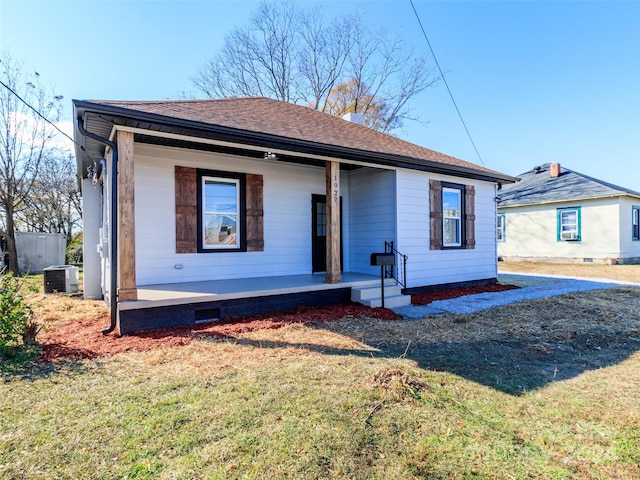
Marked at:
<point>237,206</point>
<point>559,215</point>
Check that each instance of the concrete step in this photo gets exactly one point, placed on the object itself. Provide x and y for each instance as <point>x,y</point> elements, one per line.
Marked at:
<point>370,292</point>
<point>389,302</point>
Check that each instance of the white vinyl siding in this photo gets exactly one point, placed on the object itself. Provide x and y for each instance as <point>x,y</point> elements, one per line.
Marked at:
<point>287,218</point>
<point>434,267</point>
<point>373,218</point>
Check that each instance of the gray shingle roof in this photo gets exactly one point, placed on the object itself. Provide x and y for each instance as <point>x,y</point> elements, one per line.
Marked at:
<point>537,186</point>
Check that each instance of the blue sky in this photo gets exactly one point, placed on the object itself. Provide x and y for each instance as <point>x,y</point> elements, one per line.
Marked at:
<point>536,81</point>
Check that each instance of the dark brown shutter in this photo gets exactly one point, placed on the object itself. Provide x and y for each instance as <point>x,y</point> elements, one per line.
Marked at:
<point>435,207</point>
<point>255,240</point>
<point>469,217</point>
<point>186,210</point>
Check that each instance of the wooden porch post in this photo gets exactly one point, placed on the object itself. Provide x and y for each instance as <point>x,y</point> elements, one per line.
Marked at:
<point>333,274</point>
<point>126,219</point>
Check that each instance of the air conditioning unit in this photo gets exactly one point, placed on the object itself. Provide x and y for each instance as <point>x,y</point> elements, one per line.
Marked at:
<point>569,236</point>
<point>61,279</point>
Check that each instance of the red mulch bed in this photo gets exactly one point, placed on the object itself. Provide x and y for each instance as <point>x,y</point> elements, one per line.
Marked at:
<point>428,297</point>
<point>83,338</point>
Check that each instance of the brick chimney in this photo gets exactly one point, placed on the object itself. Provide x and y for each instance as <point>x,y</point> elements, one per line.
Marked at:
<point>554,170</point>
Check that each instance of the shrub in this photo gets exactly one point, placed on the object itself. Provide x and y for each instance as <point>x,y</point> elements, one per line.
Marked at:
<point>17,327</point>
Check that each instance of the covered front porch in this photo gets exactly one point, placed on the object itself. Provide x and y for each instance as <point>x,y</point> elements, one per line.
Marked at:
<point>187,303</point>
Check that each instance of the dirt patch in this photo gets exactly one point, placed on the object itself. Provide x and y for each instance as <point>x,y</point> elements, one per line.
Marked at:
<point>428,297</point>
<point>78,339</point>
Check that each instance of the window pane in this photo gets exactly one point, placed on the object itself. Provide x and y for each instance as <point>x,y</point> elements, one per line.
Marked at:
<point>220,197</point>
<point>451,231</point>
<point>220,213</point>
<point>220,230</point>
<point>451,217</point>
<point>500,225</point>
<point>451,203</point>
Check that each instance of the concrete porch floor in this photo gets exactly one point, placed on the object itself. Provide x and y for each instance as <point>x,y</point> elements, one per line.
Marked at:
<point>171,294</point>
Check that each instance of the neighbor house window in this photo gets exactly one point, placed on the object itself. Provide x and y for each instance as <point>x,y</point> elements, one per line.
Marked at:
<point>635,222</point>
<point>451,217</point>
<point>501,225</point>
<point>568,224</point>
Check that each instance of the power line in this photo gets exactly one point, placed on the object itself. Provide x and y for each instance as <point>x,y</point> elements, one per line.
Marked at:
<point>41,115</point>
<point>445,81</point>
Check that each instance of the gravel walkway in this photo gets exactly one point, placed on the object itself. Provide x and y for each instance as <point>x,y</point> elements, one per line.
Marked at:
<point>532,287</point>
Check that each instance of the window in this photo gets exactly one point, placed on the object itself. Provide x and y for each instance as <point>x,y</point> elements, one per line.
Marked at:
<point>568,224</point>
<point>452,214</point>
<point>635,223</point>
<point>501,227</point>
<point>451,217</point>
<point>220,213</point>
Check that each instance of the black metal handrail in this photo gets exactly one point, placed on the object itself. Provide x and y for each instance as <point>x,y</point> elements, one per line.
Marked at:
<point>400,270</point>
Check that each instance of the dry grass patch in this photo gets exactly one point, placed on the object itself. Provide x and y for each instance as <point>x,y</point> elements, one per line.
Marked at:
<point>625,273</point>
<point>539,389</point>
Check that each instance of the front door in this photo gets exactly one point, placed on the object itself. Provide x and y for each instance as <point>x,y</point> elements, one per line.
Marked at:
<point>319,233</point>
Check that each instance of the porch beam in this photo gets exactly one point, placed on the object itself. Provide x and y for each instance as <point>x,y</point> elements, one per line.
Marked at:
<point>333,274</point>
<point>126,219</point>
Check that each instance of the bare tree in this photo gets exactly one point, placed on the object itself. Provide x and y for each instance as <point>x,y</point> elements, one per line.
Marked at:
<point>299,57</point>
<point>54,204</point>
<point>24,139</point>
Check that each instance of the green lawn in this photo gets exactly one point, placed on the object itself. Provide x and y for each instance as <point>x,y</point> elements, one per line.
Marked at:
<point>444,397</point>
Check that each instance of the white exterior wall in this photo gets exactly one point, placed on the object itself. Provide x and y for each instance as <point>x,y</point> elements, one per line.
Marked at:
<point>531,232</point>
<point>372,211</point>
<point>433,267</point>
<point>91,222</point>
<point>629,248</point>
<point>287,218</point>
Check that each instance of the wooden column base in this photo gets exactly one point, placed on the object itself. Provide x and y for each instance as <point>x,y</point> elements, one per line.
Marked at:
<point>127,294</point>
<point>333,278</point>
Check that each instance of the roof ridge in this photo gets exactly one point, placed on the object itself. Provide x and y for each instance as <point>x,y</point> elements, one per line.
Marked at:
<point>606,184</point>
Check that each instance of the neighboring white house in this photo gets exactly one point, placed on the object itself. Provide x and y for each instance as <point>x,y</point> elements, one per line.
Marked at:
<point>558,215</point>
<point>233,206</point>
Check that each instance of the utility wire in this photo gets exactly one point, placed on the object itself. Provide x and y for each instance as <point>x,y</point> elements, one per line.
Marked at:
<point>42,116</point>
<point>445,81</point>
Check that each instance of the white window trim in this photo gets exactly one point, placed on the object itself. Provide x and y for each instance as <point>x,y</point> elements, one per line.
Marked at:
<point>566,238</point>
<point>635,222</point>
<point>226,180</point>
<point>458,192</point>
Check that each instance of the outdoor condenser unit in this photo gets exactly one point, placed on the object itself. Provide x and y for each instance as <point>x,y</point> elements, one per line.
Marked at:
<point>61,279</point>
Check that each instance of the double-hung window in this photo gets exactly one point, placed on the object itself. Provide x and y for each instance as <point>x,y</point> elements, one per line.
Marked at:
<point>451,217</point>
<point>568,224</point>
<point>501,225</point>
<point>635,222</point>
<point>221,213</point>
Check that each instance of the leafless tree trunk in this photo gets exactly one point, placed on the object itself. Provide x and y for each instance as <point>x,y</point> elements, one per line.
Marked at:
<point>24,139</point>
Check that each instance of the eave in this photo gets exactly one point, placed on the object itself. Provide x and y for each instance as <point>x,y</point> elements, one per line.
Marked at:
<point>100,119</point>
